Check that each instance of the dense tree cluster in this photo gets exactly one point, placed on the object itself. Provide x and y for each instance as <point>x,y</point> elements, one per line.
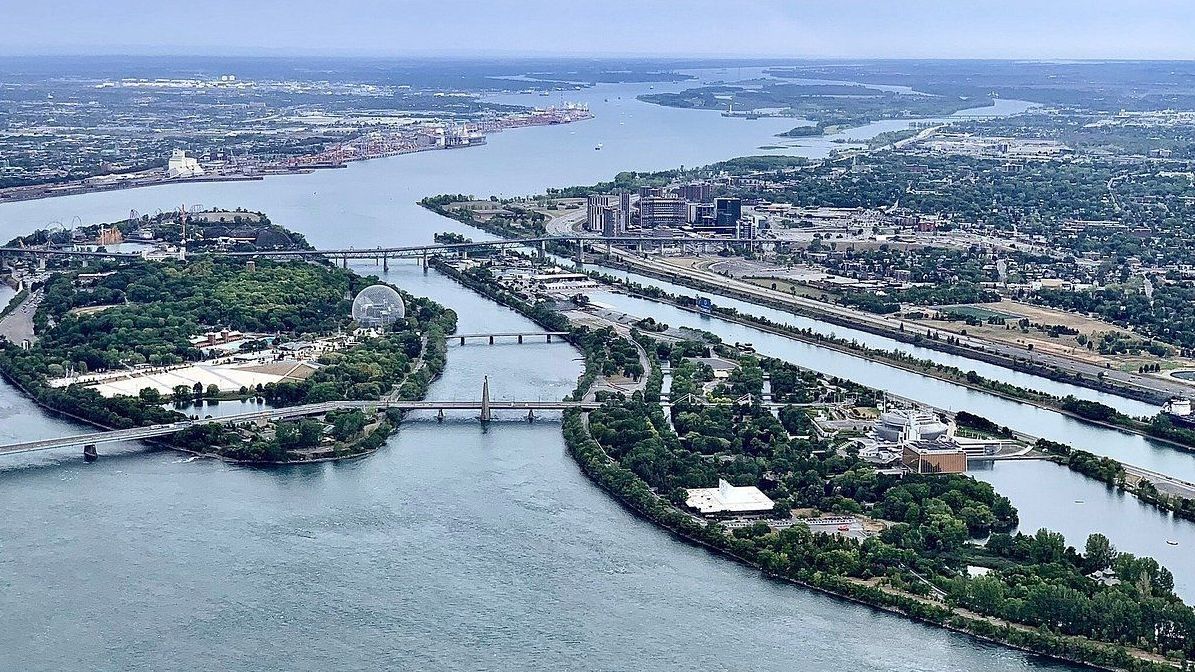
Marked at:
<point>153,309</point>
<point>1034,580</point>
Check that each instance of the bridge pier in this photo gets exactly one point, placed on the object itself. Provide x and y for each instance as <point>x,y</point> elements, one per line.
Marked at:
<point>531,415</point>
<point>485,400</point>
<point>462,340</point>
<point>344,261</point>
<point>440,415</point>
<point>549,338</point>
<point>491,340</point>
<point>385,264</point>
<point>90,454</point>
<point>423,262</point>
<point>520,338</point>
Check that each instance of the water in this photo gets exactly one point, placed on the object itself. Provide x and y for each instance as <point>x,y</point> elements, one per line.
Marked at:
<point>1044,492</point>
<point>451,548</point>
<point>1076,507</point>
<point>991,371</point>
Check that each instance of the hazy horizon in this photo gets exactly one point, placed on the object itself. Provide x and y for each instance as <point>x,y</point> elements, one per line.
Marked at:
<point>813,29</point>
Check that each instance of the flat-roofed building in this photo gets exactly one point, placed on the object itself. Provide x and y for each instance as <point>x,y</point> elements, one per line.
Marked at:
<point>934,457</point>
<point>657,211</point>
<point>728,499</point>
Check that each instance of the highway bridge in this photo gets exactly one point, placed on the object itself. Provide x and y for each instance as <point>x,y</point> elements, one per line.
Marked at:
<point>424,251</point>
<point>484,406</point>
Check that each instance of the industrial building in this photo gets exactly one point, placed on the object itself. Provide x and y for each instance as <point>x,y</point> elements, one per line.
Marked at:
<point>181,165</point>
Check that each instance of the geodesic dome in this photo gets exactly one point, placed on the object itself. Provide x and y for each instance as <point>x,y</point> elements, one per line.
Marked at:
<point>378,306</point>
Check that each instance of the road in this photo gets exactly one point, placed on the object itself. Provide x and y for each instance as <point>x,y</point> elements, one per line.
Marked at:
<point>18,325</point>
<point>154,431</point>
<point>566,224</point>
<point>853,317</point>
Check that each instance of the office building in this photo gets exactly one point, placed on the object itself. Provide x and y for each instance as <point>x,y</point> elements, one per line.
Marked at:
<point>701,215</point>
<point>655,211</point>
<point>727,212</point>
<point>612,222</point>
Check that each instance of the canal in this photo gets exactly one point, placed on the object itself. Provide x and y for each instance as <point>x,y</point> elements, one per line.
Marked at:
<point>1045,494</point>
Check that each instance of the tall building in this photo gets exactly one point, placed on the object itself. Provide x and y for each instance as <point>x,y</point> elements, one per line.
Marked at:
<point>701,215</point>
<point>624,207</point>
<point>746,228</point>
<point>613,223</point>
<point>647,192</point>
<point>697,192</point>
<point>593,212</point>
<point>657,211</point>
<point>727,212</point>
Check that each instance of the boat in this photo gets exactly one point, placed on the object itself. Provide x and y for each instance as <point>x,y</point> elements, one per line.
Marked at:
<point>1172,542</point>
<point>598,147</point>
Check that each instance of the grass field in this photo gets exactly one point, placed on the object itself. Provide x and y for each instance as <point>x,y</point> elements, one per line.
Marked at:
<point>978,312</point>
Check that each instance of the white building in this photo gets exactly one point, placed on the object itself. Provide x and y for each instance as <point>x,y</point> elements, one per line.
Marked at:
<point>181,165</point>
<point>727,498</point>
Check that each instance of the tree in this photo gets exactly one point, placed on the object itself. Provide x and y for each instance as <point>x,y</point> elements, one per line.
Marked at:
<point>1046,547</point>
<point>1098,553</point>
<point>213,390</point>
<point>197,389</point>
<point>150,395</point>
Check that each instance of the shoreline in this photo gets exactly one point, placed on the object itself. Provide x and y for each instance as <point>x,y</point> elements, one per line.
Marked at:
<point>836,587</point>
<point>1135,394</point>
<point>53,190</point>
<point>1149,396</point>
<point>421,373</point>
<point>795,334</point>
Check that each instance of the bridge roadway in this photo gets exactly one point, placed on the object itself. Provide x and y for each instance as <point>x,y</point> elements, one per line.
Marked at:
<point>154,431</point>
<point>417,250</point>
<point>513,334</point>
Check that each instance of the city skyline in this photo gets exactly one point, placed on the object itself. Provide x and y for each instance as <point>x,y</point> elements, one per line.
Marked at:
<point>1069,29</point>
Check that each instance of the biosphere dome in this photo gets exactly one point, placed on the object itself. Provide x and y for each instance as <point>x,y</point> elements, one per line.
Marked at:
<point>378,306</point>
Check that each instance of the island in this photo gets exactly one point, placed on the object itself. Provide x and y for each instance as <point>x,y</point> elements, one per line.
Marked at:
<point>833,485</point>
<point>150,339</point>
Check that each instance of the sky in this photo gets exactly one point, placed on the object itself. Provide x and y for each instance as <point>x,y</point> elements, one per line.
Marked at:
<point>1046,29</point>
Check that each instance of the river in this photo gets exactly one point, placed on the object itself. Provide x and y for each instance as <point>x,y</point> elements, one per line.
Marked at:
<point>450,548</point>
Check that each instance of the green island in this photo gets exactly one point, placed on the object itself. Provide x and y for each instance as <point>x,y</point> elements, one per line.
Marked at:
<point>934,547</point>
<point>119,342</point>
<point>831,106</point>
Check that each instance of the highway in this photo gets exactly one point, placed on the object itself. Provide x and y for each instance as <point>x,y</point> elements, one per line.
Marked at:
<point>852,317</point>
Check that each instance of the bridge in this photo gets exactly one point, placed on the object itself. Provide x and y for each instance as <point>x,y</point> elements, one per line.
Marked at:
<point>485,406</point>
<point>517,335</point>
<point>385,254</point>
